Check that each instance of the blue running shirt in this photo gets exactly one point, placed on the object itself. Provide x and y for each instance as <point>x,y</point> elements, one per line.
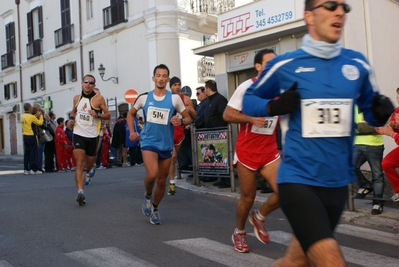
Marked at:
<point>319,135</point>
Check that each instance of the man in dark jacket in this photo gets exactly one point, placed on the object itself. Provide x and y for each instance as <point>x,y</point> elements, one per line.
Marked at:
<point>215,106</point>
<point>49,147</point>
<point>118,141</point>
<point>200,109</point>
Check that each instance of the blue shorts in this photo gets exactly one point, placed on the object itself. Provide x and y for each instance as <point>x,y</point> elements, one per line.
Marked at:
<point>161,154</point>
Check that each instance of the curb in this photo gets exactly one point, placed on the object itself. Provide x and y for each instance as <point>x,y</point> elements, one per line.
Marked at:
<point>362,216</point>
<point>11,159</point>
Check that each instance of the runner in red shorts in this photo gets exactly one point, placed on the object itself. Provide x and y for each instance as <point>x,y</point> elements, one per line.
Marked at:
<point>178,135</point>
<point>256,150</point>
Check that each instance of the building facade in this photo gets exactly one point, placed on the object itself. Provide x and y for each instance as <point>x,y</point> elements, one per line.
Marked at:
<point>371,28</point>
<point>49,45</point>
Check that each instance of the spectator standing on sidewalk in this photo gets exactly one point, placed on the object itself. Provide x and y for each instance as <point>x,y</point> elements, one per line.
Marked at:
<point>178,134</point>
<point>105,145</point>
<point>369,147</point>
<point>156,138</point>
<point>213,116</point>
<point>61,145</point>
<point>30,139</point>
<point>255,150</point>
<point>133,146</point>
<point>37,130</point>
<point>69,132</point>
<point>201,96</point>
<point>200,121</point>
<point>118,141</point>
<point>49,147</point>
<point>318,86</point>
<point>391,160</point>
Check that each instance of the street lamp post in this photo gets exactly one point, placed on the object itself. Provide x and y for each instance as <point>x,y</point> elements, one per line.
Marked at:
<point>101,71</point>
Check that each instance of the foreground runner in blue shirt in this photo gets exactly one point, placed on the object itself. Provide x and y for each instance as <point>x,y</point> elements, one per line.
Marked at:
<point>318,85</point>
<point>156,137</point>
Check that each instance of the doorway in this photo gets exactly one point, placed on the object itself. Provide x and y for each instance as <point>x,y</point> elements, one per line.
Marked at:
<point>13,134</point>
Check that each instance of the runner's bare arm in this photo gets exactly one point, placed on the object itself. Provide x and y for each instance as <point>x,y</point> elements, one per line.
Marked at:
<point>104,108</point>
<point>130,122</point>
<point>232,115</point>
<point>73,111</point>
<point>190,107</point>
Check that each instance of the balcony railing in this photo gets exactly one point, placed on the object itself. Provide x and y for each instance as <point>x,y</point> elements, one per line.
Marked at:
<point>8,60</point>
<point>34,49</point>
<point>64,35</point>
<point>206,69</point>
<point>214,7</point>
<point>115,14</point>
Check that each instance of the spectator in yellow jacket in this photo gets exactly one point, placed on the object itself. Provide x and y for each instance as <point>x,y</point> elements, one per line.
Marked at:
<point>30,139</point>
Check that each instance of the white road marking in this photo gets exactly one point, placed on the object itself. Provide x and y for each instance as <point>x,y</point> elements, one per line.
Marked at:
<point>369,234</point>
<point>5,264</point>
<point>220,253</point>
<point>356,256</point>
<point>11,172</point>
<point>106,257</point>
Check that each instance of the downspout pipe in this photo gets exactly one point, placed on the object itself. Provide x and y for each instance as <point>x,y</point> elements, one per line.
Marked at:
<point>80,40</point>
<point>19,52</point>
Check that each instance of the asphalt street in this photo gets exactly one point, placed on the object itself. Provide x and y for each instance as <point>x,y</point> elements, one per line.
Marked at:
<point>41,224</point>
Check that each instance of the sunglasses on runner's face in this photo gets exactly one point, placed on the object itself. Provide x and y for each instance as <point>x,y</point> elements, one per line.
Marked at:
<point>89,82</point>
<point>332,6</point>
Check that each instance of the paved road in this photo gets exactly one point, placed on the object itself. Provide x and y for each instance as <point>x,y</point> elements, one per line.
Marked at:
<point>42,225</point>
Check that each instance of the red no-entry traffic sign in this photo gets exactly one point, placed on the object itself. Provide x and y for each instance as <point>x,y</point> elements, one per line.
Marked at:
<point>131,96</point>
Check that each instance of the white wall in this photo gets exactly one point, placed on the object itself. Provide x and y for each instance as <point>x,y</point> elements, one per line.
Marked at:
<point>130,51</point>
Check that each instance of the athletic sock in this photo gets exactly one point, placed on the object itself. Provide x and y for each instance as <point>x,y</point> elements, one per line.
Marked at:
<point>236,231</point>
<point>259,216</point>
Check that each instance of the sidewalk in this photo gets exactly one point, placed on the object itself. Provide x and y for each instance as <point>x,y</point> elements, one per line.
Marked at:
<point>389,219</point>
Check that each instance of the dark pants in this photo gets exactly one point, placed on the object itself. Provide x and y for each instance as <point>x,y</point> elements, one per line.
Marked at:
<point>373,156</point>
<point>30,152</point>
<point>185,155</point>
<point>135,156</point>
<point>49,154</point>
<point>99,153</point>
<point>40,150</point>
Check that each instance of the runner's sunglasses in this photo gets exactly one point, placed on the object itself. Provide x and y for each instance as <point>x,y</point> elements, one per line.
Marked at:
<point>89,82</point>
<point>332,6</point>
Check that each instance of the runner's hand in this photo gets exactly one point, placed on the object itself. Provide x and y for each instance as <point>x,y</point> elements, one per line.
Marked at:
<point>258,121</point>
<point>134,136</point>
<point>286,103</point>
<point>382,108</point>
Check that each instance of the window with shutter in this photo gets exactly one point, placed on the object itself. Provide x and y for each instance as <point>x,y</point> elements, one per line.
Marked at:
<point>42,82</point>
<point>33,84</point>
<point>14,89</point>
<point>62,74</point>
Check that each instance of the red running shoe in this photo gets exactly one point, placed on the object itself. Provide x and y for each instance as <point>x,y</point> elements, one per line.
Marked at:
<point>259,227</point>
<point>240,242</point>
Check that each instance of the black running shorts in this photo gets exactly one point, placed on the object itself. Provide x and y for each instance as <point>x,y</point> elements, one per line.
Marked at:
<point>87,144</point>
<point>312,211</point>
